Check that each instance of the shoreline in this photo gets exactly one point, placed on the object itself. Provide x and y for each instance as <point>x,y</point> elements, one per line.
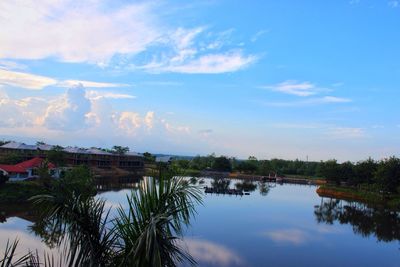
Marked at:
<point>352,194</point>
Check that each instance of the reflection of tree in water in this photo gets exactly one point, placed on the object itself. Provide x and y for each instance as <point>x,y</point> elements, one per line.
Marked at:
<point>247,186</point>
<point>193,180</point>
<point>263,187</point>
<point>50,231</point>
<point>366,221</point>
<point>220,184</point>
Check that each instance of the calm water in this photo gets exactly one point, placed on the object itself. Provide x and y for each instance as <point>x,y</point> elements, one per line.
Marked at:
<point>276,225</point>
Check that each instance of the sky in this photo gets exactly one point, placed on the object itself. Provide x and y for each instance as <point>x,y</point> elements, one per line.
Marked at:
<point>271,79</point>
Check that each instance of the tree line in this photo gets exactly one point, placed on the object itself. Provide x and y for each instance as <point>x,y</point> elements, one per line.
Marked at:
<point>382,175</point>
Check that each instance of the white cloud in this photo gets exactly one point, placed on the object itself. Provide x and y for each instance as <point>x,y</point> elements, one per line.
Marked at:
<point>25,80</point>
<point>38,82</point>
<point>129,121</point>
<point>11,65</point>
<point>149,119</point>
<point>294,88</point>
<point>121,36</point>
<point>96,95</point>
<point>73,83</point>
<point>74,32</point>
<point>212,64</point>
<point>69,112</point>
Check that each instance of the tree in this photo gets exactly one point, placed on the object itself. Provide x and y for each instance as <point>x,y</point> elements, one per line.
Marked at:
<point>44,174</point>
<point>11,159</point>
<point>388,174</point>
<point>56,156</point>
<point>120,149</point>
<point>149,158</point>
<point>222,164</point>
<point>364,172</point>
<point>346,171</point>
<point>330,169</point>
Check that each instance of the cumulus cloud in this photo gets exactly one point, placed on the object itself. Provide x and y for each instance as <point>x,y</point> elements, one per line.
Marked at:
<point>69,112</point>
<point>149,119</point>
<point>22,112</point>
<point>129,121</point>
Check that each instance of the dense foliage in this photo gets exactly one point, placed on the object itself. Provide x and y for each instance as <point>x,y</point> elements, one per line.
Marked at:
<point>3,178</point>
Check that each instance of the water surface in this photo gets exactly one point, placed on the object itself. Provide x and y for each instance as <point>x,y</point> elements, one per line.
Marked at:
<point>276,225</point>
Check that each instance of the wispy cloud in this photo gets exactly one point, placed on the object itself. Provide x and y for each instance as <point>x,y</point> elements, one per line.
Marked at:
<point>294,88</point>
<point>25,80</point>
<point>310,102</point>
<point>130,36</point>
<point>258,34</point>
<point>394,4</point>
<point>346,133</point>
<point>184,53</point>
<point>11,65</point>
<point>38,82</point>
<point>91,84</point>
<point>212,64</point>
<point>96,95</point>
<point>31,30</point>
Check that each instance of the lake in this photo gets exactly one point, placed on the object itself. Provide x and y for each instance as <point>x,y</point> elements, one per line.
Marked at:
<point>276,225</point>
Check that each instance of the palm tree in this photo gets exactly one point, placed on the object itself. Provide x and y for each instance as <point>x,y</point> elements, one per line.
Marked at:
<point>146,234</point>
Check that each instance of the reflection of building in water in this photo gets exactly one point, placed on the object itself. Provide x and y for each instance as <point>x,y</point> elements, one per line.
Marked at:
<point>24,211</point>
<point>382,223</point>
<point>115,183</point>
<point>97,159</point>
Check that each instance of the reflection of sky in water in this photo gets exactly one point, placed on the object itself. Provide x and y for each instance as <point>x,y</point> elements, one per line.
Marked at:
<point>278,229</point>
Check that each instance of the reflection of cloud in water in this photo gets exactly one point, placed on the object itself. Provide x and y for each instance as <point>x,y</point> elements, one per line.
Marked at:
<point>212,253</point>
<point>293,236</point>
<point>26,242</point>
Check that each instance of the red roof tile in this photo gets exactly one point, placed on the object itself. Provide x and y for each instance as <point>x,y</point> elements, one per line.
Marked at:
<point>23,166</point>
<point>12,168</point>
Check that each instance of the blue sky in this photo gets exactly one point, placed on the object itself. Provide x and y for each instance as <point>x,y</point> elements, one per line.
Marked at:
<point>286,79</point>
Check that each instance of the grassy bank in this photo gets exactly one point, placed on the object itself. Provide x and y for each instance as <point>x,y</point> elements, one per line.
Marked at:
<point>351,193</point>
<point>17,192</point>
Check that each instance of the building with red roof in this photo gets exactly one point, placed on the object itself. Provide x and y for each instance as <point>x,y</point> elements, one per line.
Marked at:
<point>26,169</point>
